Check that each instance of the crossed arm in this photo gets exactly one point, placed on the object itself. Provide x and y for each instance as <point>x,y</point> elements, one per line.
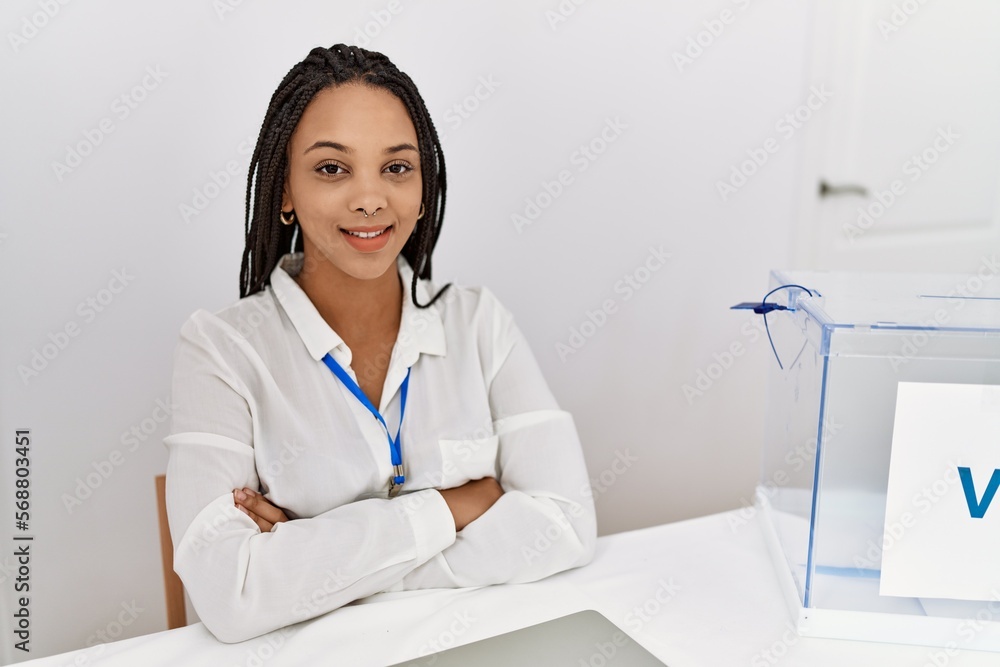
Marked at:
<point>254,570</point>
<point>466,503</point>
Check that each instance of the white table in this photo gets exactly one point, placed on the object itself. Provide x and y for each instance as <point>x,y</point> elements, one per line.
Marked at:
<point>697,592</point>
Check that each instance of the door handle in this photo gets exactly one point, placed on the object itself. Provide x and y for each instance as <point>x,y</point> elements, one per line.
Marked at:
<point>827,190</point>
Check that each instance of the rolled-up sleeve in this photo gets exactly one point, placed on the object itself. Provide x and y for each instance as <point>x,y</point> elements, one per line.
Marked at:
<point>545,521</point>
<point>243,582</point>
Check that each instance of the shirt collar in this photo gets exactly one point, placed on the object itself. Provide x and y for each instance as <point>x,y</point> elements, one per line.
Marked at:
<point>421,330</point>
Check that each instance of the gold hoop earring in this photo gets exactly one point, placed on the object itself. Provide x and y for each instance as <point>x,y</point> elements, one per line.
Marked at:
<point>288,220</point>
<point>421,211</point>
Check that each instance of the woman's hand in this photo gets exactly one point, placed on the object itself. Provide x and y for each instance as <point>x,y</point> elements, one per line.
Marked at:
<point>471,500</point>
<point>257,507</point>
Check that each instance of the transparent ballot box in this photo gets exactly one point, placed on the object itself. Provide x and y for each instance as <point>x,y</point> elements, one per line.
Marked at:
<point>882,455</point>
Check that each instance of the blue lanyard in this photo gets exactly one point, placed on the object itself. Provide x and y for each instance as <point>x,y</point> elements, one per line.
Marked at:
<point>398,477</point>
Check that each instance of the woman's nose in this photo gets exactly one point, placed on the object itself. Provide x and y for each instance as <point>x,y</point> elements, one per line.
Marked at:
<point>368,195</point>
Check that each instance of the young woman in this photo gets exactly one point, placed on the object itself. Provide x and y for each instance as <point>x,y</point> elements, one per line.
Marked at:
<point>347,428</point>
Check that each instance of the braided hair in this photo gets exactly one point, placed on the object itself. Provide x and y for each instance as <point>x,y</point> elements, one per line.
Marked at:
<point>266,236</point>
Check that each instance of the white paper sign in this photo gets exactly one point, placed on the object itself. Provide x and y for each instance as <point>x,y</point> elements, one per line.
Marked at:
<point>942,518</point>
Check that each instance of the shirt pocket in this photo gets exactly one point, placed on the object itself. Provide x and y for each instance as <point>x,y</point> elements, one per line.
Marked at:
<point>466,459</point>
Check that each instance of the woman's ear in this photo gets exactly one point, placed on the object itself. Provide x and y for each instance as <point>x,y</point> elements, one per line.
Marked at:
<point>286,200</point>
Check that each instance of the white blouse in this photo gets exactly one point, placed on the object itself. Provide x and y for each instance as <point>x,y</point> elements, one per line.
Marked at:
<point>256,406</point>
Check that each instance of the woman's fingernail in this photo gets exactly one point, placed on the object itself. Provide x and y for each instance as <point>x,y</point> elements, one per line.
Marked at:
<point>240,495</point>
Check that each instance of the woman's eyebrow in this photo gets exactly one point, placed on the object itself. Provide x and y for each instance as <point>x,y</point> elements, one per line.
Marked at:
<point>347,149</point>
<point>329,144</point>
<point>401,147</point>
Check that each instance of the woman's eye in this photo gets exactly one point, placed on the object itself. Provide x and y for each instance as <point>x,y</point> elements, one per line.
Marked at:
<point>399,168</point>
<point>330,169</point>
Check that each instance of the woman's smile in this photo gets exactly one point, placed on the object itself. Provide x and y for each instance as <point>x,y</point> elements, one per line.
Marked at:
<point>368,239</point>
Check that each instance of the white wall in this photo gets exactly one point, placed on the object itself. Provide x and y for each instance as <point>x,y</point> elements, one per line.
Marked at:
<point>63,237</point>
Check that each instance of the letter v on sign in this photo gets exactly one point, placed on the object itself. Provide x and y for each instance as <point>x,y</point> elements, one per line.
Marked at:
<point>977,508</point>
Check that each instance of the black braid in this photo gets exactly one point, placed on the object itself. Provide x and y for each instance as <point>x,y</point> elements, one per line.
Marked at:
<point>266,236</point>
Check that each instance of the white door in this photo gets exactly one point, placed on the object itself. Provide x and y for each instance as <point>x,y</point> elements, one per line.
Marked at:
<point>901,166</point>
